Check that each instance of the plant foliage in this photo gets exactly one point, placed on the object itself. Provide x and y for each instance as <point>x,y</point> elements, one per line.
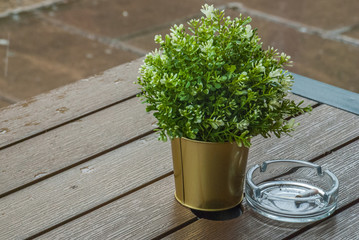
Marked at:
<point>214,82</point>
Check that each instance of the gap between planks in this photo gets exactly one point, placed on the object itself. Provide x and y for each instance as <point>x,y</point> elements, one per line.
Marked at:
<point>170,231</point>
<point>75,164</point>
<point>74,191</point>
<point>296,97</point>
<point>44,112</point>
<point>304,229</point>
<point>101,205</point>
<point>337,211</point>
<point>315,224</point>
<point>73,144</point>
<point>53,172</point>
<point>49,111</point>
<point>278,229</point>
<point>312,138</point>
<point>65,123</point>
<point>141,215</point>
<point>346,216</point>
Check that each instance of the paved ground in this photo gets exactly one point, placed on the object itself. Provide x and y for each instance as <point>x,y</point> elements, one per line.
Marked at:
<point>48,43</point>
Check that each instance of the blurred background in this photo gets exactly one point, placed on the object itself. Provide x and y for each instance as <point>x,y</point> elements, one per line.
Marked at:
<point>45,44</point>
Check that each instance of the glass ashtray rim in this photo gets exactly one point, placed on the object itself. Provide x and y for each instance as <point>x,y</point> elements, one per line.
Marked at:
<point>329,196</point>
<point>319,169</point>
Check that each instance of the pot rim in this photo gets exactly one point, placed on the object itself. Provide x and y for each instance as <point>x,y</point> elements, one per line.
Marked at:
<point>204,142</point>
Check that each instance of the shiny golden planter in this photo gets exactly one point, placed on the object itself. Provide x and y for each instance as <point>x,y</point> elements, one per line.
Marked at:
<point>208,176</point>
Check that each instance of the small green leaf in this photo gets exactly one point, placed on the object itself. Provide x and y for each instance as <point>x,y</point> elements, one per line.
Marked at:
<point>214,125</point>
<point>216,83</point>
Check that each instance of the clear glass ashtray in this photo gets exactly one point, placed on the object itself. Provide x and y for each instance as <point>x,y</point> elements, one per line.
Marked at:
<point>291,190</point>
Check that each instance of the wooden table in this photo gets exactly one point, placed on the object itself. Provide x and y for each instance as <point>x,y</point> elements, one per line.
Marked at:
<point>82,162</point>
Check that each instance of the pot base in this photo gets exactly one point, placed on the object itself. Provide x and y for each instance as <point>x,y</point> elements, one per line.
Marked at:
<point>205,209</point>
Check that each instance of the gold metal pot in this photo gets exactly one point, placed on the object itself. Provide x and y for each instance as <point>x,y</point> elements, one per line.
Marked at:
<point>208,176</point>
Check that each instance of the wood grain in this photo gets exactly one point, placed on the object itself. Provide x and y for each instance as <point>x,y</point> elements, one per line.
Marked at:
<point>83,187</point>
<point>62,147</point>
<point>345,225</point>
<point>322,130</point>
<point>343,163</point>
<point>47,110</point>
<point>308,128</point>
<point>54,150</point>
<point>144,214</point>
<point>298,99</point>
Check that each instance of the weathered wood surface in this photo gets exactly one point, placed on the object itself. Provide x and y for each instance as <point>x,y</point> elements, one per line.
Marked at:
<point>48,110</point>
<point>62,147</point>
<point>321,131</point>
<point>343,163</point>
<point>83,187</point>
<point>345,225</point>
<point>261,150</point>
<point>81,162</point>
<point>298,99</point>
<point>72,143</point>
<point>145,214</point>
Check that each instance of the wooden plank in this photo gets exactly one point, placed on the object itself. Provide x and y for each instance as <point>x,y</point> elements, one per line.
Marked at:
<point>50,152</point>
<point>144,214</point>
<point>62,147</point>
<point>261,150</point>
<point>343,163</point>
<point>83,187</point>
<point>345,225</point>
<point>48,110</point>
<point>298,99</point>
<point>322,130</point>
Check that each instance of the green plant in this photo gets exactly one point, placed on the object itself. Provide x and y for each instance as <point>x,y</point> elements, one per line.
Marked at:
<point>214,82</point>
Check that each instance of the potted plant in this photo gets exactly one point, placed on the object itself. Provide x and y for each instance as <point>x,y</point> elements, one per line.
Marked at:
<point>212,88</point>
